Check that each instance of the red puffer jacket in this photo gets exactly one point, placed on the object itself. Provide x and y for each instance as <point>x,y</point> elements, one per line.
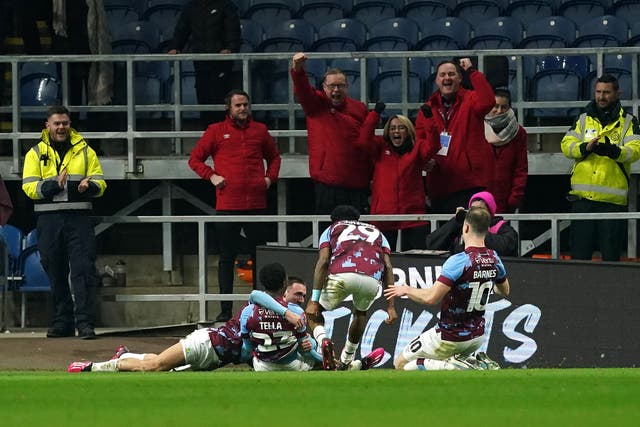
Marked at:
<point>238,153</point>
<point>510,173</point>
<point>469,162</point>
<point>334,156</point>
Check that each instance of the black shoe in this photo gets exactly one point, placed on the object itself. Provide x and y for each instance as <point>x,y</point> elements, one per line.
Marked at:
<point>223,317</point>
<point>60,333</point>
<point>87,334</point>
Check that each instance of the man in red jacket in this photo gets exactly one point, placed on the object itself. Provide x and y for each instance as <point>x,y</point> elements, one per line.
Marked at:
<point>463,166</point>
<point>340,169</point>
<point>238,146</point>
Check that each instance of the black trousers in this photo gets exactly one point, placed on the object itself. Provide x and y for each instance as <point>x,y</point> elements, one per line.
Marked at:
<point>231,244</point>
<point>589,235</point>
<point>66,242</point>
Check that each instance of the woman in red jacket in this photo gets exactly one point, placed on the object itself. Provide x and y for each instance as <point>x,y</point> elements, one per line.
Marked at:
<point>397,186</point>
<point>509,143</point>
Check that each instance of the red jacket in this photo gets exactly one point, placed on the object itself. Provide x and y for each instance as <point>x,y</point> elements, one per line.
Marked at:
<point>469,162</point>
<point>334,156</point>
<point>510,173</point>
<point>397,186</point>
<point>238,154</point>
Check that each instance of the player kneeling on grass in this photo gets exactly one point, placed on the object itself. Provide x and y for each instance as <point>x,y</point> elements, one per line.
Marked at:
<point>203,350</point>
<point>463,288</point>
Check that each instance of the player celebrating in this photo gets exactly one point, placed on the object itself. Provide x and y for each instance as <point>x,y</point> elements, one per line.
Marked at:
<point>276,344</point>
<point>464,286</point>
<point>353,260</point>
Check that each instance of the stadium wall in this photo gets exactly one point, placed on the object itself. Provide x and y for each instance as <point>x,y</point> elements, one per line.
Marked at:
<point>560,313</point>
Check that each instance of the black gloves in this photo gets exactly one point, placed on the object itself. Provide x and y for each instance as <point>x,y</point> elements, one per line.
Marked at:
<point>607,149</point>
<point>379,108</point>
<point>426,111</point>
<point>583,150</point>
<point>460,216</point>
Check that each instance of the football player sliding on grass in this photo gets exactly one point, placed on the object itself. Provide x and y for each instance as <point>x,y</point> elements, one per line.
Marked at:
<point>463,288</point>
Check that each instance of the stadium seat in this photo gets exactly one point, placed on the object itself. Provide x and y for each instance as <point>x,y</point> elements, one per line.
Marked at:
<point>634,35</point>
<point>148,91</point>
<point>135,37</point>
<point>163,14</point>
<point>393,34</point>
<point>343,35</point>
<point>241,7</point>
<point>48,68</point>
<point>34,279</point>
<point>607,30</point>
<point>39,90</point>
<point>530,10</point>
<point>553,31</point>
<point>444,34</point>
<point>387,87</point>
<point>558,78</point>
<point>320,12</point>
<point>120,14</point>
<point>582,10</point>
<point>627,9</point>
<point>371,11</point>
<point>13,239</point>
<point>293,35</point>
<point>618,66</point>
<point>497,33</point>
<point>425,11</point>
<point>271,11</point>
<point>251,35</point>
<point>476,10</point>
<point>315,69</point>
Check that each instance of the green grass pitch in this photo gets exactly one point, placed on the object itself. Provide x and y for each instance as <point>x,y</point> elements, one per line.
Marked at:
<point>510,397</point>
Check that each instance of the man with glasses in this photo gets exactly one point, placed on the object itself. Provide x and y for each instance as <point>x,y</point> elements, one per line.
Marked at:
<point>340,169</point>
<point>62,175</point>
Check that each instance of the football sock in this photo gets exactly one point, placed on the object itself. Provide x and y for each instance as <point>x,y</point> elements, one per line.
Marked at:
<point>108,366</point>
<point>132,356</point>
<point>347,352</point>
<point>428,365</point>
<point>319,333</point>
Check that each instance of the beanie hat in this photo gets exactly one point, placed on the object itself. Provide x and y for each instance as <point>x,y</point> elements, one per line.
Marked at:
<point>486,197</point>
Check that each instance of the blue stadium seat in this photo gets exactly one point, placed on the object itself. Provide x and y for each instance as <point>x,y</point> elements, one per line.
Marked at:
<point>634,35</point>
<point>530,10</point>
<point>320,12</point>
<point>582,10</point>
<point>120,14</point>
<point>444,34</point>
<point>558,78</point>
<point>251,35</point>
<point>553,31</point>
<point>272,11</point>
<point>315,69</point>
<point>393,34</point>
<point>387,87</point>
<point>475,10</point>
<point>34,279</point>
<point>343,35</point>
<point>424,11</point>
<point>497,33</point>
<point>13,238</point>
<point>39,90</point>
<point>607,30</point>
<point>627,9</point>
<point>163,14</point>
<point>48,68</point>
<point>135,37</point>
<point>371,11</point>
<point>292,35</point>
<point>618,66</point>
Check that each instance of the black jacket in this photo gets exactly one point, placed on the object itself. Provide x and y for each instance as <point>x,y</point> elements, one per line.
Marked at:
<point>212,26</point>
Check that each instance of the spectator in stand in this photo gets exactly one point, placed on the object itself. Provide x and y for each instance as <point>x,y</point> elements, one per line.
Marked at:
<point>603,142</point>
<point>509,142</point>
<point>501,237</point>
<point>212,26</point>
<point>62,175</point>
<point>398,187</point>
<point>340,169</point>
<point>238,146</point>
<point>464,164</point>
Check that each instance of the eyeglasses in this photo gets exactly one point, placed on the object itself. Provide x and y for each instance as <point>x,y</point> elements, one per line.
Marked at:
<point>339,86</point>
<point>397,128</point>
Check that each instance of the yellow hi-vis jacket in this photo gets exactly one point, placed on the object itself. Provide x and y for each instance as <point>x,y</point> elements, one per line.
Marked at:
<point>42,164</point>
<point>600,178</point>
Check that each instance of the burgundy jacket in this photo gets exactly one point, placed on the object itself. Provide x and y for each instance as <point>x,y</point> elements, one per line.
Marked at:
<point>510,173</point>
<point>469,162</point>
<point>334,157</point>
<point>238,154</point>
<point>397,187</point>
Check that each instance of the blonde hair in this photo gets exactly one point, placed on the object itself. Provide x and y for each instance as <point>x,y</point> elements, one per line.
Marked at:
<point>411,131</point>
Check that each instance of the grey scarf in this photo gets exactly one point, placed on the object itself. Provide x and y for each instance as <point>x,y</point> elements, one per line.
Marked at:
<point>501,129</point>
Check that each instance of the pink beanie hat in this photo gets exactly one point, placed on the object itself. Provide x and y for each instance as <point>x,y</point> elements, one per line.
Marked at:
<point>486,197</point>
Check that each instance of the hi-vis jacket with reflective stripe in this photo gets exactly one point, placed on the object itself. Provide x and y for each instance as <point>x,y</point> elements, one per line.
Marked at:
<point>600,178</point>
<point>42,164</point>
